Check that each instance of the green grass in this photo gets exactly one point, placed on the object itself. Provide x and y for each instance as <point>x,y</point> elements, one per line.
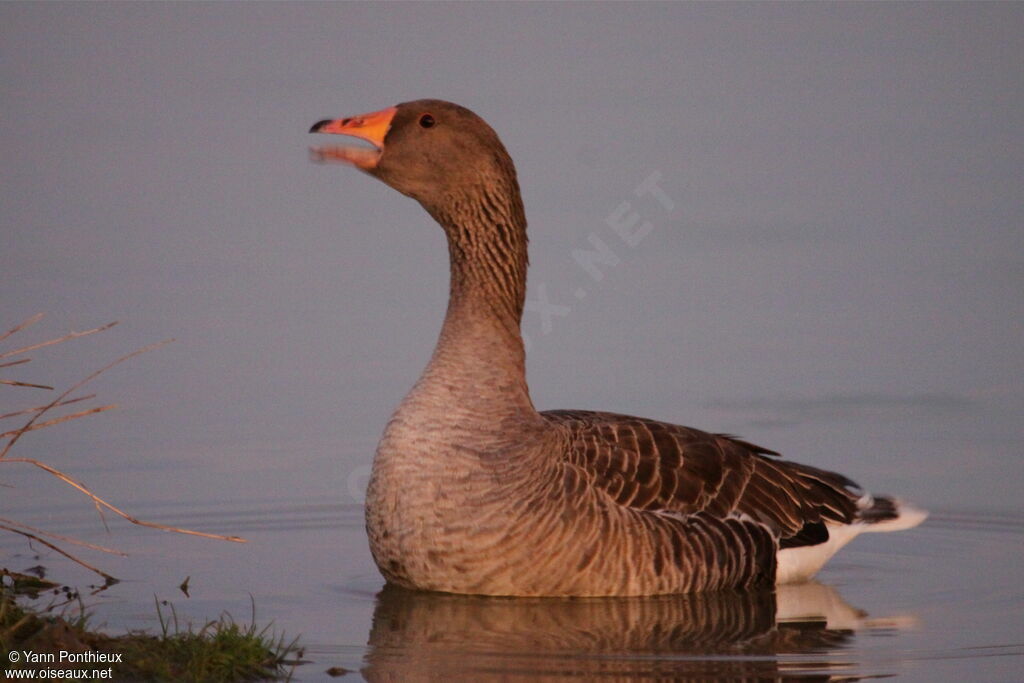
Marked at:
<point>221,650</point>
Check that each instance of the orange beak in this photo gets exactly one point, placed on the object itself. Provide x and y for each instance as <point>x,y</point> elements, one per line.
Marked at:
<point>370,127</point>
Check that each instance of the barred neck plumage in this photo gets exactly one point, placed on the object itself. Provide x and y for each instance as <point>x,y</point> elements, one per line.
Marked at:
<point>487,247</point>
<point>480,342</point>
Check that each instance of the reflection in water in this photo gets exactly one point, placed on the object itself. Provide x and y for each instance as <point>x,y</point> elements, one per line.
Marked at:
<point>726,635</point>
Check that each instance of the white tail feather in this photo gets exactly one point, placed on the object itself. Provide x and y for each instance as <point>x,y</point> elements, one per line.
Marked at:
<point>909,517</point>
<point>799,564</point>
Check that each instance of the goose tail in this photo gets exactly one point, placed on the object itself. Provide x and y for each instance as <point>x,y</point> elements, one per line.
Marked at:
<point>884,513</point>
<point>874,513</point>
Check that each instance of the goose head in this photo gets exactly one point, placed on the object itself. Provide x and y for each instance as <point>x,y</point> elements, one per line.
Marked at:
<point>431,150</point>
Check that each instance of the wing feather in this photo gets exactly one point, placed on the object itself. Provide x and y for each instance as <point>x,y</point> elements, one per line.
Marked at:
<point>660,467</point>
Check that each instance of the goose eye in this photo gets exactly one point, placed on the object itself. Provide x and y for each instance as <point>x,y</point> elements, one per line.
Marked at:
<point>427,121</point>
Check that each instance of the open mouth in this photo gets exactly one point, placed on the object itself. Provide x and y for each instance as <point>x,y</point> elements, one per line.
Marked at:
<point>369,127</point>
<point>361,157</point>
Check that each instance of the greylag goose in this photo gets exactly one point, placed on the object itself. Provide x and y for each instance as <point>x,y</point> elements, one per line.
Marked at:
<point>475,491</point>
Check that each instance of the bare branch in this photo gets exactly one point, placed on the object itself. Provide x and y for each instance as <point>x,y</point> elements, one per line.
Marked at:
<point>60,398</point>
<point>13,383</point>
<point>106,577</point>
<point>34,423</point>
<point>62,403</point>
<point>66,337</point>
<point>20,326</point>
<point>102,503</point>
<point>57,420</point>
<point>66,539</point>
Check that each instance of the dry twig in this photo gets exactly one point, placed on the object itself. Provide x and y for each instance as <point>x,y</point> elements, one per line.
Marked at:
<point>15,383</point>
<point>54,402</point>
<point>107,577</point>
<point>33,424</point>
<point>99,502</point>
<point>57,420</point>
<point>25,411</point>
<point>61,537</point>
<point>20,326</point>
<point>51,342</point>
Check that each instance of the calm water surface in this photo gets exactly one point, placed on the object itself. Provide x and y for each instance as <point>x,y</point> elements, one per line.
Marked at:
<point>839,278</point>
<point>943,602</point>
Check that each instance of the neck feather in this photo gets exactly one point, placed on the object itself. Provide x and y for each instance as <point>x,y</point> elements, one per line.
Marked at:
<point>480,349</point>
<point>486,232</point>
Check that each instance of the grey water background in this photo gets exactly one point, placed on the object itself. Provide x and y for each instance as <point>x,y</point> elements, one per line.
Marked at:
<point>833,268</point>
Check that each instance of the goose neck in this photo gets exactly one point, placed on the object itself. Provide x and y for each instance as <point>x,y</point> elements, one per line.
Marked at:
<point>480,356</point>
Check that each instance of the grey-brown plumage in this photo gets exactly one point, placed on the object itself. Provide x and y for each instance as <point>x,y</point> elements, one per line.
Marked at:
<point>474,491</point>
